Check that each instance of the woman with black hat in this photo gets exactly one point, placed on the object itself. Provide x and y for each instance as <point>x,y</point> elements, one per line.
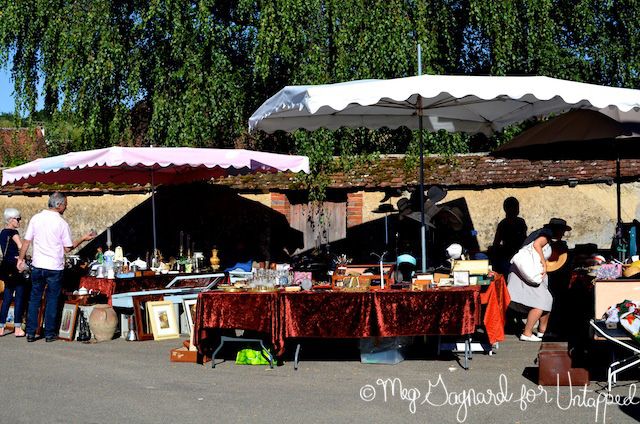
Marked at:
<point>535,299</point>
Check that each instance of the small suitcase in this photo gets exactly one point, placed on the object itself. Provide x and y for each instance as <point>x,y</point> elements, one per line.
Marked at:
<point>555,366</point>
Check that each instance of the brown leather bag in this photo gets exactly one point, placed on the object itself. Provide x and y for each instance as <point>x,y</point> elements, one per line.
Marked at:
<point>555,366</point>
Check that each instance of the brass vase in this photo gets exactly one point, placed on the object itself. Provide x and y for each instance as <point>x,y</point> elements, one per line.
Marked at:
<point>214,260</point>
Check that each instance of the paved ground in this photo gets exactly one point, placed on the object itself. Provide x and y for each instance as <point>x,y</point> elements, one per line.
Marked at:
<point>119,381</point>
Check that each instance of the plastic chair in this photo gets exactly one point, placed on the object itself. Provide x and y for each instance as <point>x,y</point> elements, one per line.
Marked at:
<point>619,337</point>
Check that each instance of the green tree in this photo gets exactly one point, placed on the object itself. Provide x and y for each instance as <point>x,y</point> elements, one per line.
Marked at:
<point>176,72</point>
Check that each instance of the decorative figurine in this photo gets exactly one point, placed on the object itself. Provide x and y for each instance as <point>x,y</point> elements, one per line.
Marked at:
<point>214,260</point>
<point>99,255</point>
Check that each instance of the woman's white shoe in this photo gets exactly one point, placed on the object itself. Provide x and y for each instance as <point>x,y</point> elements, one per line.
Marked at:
<point>531,338</point>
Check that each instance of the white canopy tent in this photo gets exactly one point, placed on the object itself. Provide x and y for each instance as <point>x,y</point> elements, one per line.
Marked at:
<point>471,104</point>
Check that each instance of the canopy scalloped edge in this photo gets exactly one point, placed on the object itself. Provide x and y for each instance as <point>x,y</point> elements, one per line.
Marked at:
<point>451,102</point>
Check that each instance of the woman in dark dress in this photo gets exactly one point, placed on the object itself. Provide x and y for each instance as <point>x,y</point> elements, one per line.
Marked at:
<point>14,284</point>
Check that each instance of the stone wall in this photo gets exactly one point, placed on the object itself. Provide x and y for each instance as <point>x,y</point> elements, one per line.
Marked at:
<point>589,209</point>
<point>83,212</point>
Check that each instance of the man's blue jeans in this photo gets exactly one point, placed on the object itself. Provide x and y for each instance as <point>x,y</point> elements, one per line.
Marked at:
<point>51,281</point>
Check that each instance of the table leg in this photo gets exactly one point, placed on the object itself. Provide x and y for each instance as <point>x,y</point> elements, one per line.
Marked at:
<point>295,358</point>
<point>467,352</point>
<point>213,356</point>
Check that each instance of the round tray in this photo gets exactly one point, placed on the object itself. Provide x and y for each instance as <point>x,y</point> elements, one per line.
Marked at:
<point>263,289</point>
<point>233,289</point>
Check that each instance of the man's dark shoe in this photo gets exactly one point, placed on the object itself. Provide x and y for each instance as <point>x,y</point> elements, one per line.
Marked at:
<point>51,339</point>
<point>31,338</point>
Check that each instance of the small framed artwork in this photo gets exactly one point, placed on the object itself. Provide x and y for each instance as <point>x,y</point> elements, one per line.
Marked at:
<point>460,278</point>
<point>68,321</point>
<point>164,324</point>
<point>190,311</point>
<point>189,306</point>
<point>445,282</point>
<point>424,277</point>
<point>141,317</point>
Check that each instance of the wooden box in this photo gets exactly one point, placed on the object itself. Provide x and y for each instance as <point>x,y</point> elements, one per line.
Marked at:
<point>337,280</point>
<point>555,367</point>
<point>182,354</point>
<point>475,267</point>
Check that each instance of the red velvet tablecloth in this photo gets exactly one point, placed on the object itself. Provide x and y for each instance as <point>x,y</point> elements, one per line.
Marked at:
<point>103,285</point>
<point>109,287</point>
<point>451,311</point>
<point>247,311</point>
<point>327,314</point>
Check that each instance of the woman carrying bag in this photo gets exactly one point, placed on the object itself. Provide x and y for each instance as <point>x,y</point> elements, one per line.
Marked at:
<point>15,285</point>
<point>528,282</point>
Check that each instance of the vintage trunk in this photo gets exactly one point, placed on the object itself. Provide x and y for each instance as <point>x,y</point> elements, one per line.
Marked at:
<point>555,366</point>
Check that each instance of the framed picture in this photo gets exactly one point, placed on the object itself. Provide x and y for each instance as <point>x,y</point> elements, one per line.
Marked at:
<point>460,278</point>
<point>189,306</point>
<point>190,311</point>
<point>141,317</point>
<point>164,323</point>
<point>445,282</point>
<point>68,321</point>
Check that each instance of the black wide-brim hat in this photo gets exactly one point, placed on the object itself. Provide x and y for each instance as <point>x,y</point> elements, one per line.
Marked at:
<point>558,223</point>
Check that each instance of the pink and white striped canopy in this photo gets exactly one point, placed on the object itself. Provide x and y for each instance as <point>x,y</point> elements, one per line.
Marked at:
<point>145,165</point>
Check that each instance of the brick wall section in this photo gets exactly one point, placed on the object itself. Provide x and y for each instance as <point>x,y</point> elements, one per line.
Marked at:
<point>354,209</point>
<point>280,203</point>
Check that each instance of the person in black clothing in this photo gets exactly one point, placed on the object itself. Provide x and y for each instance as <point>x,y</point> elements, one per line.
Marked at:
<point>510,235</point>
<point>14,284</point>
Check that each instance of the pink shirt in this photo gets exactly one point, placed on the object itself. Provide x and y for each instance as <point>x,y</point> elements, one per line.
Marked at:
<point>49,234</point>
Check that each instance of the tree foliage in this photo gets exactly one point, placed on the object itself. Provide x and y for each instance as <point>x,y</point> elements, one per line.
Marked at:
<point>190,73</point>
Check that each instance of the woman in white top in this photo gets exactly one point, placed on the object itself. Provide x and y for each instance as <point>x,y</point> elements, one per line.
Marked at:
<point>536,299</point>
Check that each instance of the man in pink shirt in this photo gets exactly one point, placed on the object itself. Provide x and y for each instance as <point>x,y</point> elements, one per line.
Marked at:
<point>51,238</point>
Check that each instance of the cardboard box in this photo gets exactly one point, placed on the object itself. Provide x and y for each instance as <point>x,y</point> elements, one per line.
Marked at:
<point>182,354</point>
<point>475,267</point>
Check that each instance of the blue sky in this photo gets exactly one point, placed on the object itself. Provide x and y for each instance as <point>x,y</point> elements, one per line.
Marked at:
<point>7,102</point>
<point>6,91</point>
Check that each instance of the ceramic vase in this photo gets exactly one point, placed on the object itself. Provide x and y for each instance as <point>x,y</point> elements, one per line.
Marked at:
<point>103,322</point>
<point>214,260</point>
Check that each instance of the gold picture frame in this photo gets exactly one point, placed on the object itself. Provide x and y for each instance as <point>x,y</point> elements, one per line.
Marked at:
<point>164,323</point>
<point>68,319</point>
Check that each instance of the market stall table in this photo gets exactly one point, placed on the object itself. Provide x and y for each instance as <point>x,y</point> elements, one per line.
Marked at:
<point>156,283</point>
<point>248,311</point>
<point>109,287</point>
<point>344,314</point>
<point>120,292</point>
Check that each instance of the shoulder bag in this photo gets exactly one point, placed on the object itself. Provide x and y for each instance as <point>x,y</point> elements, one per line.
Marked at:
<point>8,272</point>
<point>530,269</point>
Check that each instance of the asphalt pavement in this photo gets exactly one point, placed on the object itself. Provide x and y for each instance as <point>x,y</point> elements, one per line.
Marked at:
<point>134,382</point>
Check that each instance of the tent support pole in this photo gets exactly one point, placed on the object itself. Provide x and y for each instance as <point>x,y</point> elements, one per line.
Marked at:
<point>153,213</point>
<point>423,227</point>
<point>619,197</point>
